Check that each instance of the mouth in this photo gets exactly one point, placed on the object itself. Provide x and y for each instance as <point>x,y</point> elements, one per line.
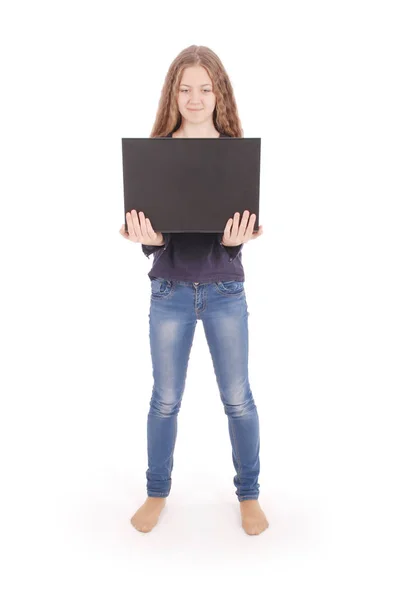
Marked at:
<point>194,109</point>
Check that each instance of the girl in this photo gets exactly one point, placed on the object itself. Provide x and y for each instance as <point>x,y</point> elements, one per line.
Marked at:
<point>197,100</point>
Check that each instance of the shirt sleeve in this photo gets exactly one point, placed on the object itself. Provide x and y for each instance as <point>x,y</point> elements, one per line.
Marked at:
<point>232,251</point>
<point>148,250</point>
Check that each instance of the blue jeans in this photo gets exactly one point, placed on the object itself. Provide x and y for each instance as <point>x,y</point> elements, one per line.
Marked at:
<point>175,308</point>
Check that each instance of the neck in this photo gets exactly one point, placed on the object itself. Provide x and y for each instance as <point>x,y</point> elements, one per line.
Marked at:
<point>191,130</point>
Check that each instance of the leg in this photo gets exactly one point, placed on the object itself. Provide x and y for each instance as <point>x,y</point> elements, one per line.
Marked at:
<point>171,333</point>
<point>226,327</point>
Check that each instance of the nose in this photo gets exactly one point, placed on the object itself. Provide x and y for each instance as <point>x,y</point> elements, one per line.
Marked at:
<point>194,97</point>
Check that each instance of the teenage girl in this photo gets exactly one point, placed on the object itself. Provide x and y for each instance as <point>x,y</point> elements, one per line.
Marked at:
<point>197,100</point>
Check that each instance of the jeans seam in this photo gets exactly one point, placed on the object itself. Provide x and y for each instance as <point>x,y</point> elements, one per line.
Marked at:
<point>235,294</point>
<point>236,449</point>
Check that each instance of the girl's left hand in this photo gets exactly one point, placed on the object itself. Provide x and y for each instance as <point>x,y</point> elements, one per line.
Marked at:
<point>237,233</point>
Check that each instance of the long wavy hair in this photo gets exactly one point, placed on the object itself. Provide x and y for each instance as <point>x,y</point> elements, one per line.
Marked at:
<point>225,115</point>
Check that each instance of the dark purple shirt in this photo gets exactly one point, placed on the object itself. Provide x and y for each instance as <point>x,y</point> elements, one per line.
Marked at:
<point>198,257</point>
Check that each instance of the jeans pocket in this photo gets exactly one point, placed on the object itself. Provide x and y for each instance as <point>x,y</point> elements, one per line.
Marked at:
<point>230,288</point>
<point>161,288</point>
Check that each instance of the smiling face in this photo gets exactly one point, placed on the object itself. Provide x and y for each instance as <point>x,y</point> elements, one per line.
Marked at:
<point>196,100</point>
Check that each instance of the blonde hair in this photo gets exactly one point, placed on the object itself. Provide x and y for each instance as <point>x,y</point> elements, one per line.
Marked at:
<point>225,115</point>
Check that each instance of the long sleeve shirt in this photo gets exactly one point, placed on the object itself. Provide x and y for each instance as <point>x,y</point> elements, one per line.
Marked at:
<point>198,257</point>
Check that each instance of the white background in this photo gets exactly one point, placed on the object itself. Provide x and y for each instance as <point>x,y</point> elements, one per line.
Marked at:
<point>319,82</point>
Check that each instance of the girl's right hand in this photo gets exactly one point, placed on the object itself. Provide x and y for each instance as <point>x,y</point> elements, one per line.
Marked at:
<point>141,230</point>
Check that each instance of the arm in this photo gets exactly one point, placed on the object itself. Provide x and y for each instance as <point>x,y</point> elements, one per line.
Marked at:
<point>148,250</point>
<point>232,251</point>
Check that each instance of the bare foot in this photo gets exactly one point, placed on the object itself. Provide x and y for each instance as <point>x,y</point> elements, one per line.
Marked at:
<point>148,514</point>
<point>253,518</point>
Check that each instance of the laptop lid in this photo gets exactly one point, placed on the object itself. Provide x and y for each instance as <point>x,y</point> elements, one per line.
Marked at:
<point>191,184</point>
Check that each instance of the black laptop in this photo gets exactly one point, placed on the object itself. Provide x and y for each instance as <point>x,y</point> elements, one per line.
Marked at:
<point>191,184</point>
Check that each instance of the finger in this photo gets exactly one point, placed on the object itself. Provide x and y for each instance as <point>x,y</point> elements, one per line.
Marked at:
<point>258,233</point>
<point>234,230</point>
<point>227,230</point>
<point>122,231</point>
<point>249,229</point>
<point>150,231</point>
<point>244,223</point>
<point>135,224</point>
<point>129,224</point>
<point>142,225</point>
